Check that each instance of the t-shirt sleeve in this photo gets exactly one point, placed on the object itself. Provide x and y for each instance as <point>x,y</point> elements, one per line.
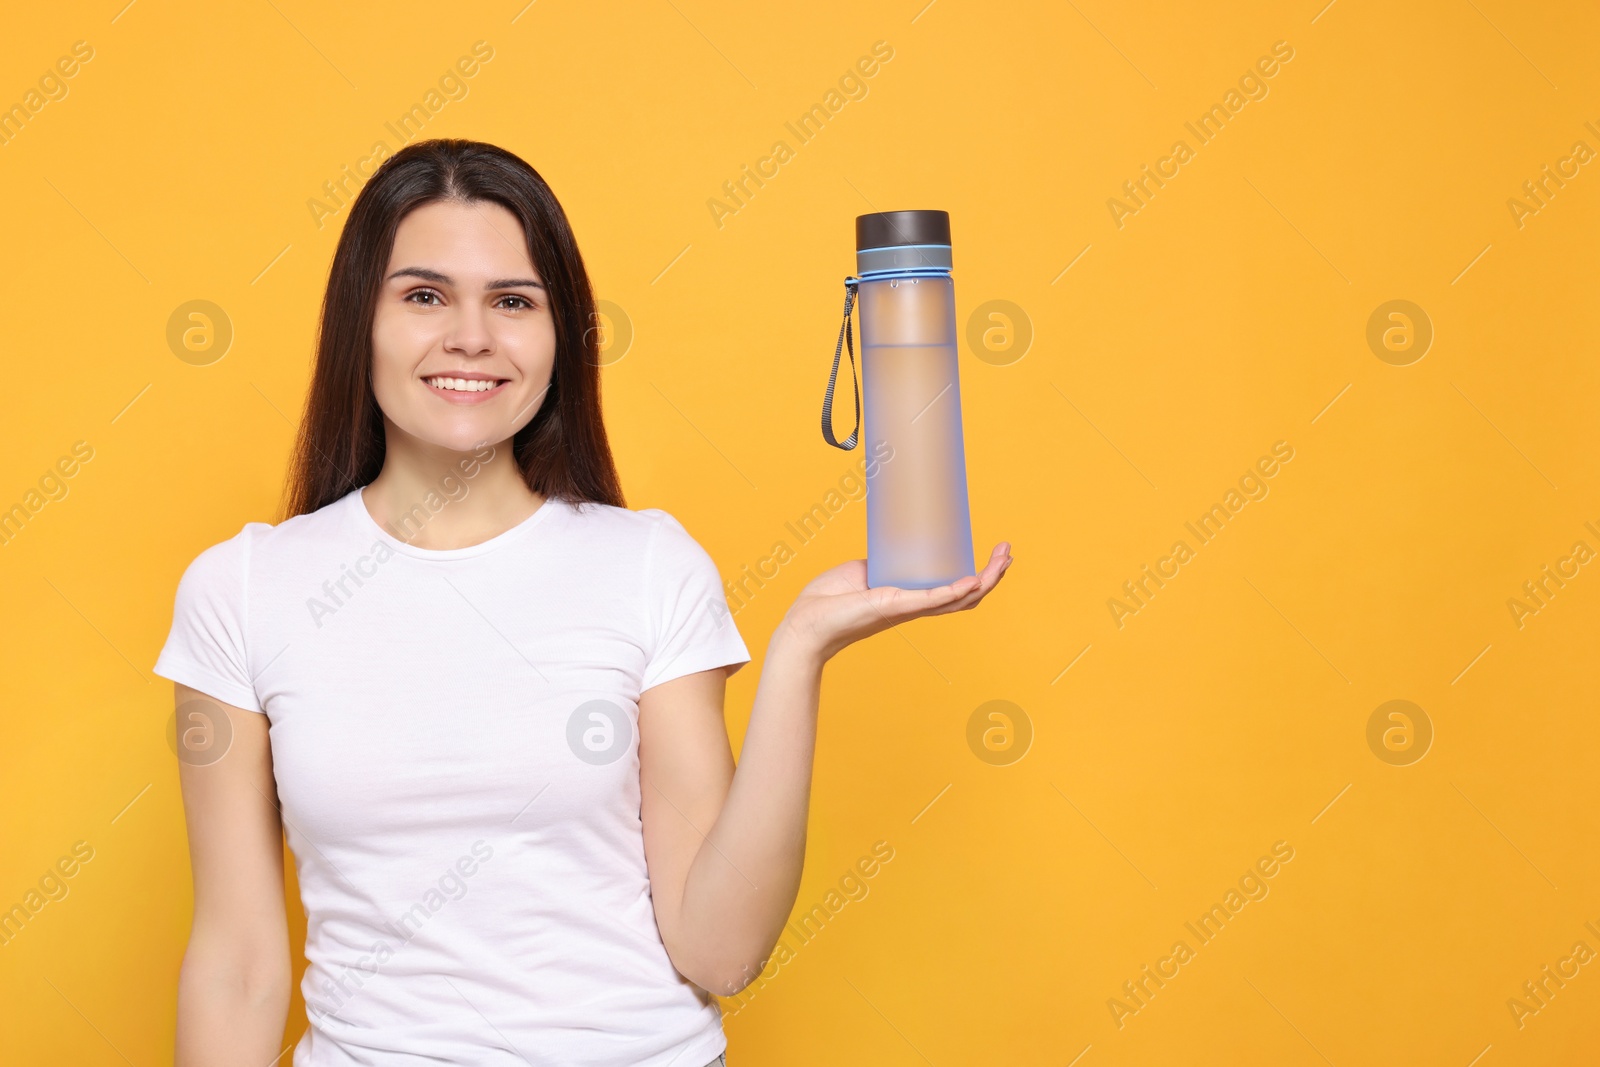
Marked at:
<point>206,646</point>
<point>690,626</point>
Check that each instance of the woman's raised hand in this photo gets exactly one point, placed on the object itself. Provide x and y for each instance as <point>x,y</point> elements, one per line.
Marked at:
<point>837,609</point>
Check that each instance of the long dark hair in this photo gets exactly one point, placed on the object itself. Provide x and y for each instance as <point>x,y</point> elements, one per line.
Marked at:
<point>563,451</point>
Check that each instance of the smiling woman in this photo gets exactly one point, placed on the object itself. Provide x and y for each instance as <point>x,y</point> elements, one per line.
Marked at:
<point>445,706</point>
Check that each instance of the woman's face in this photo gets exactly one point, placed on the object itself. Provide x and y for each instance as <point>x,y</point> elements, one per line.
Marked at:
<point>461,305</point>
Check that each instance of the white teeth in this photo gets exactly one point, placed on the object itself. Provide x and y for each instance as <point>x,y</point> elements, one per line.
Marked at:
<point>464,385</point>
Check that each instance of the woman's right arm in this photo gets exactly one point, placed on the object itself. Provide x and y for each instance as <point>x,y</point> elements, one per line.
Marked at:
<point>233,989</point>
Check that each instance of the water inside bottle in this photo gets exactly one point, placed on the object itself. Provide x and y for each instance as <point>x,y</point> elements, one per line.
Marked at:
<point>919,531</point>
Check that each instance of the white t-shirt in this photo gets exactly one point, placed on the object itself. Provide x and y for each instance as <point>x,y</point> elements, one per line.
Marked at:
<point>454,736</point>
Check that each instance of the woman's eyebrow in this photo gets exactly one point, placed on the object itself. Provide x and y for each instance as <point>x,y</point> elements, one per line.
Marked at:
<point>444,279</point>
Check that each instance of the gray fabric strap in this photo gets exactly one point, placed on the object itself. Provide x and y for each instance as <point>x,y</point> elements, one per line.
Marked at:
<point>846,341</point>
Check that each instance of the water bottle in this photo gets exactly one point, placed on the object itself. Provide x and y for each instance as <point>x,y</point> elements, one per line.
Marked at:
<point>919,529</point>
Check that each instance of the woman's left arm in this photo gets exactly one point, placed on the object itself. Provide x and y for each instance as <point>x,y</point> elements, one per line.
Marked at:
<point>725,846</point>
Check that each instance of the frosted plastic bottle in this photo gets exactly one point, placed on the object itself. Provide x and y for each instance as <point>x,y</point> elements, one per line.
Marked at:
<point>919,529</point>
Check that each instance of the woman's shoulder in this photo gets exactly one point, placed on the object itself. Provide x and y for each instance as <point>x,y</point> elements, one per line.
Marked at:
<point>661,549</point>
<point>645,526</point>
<point>233,555</point>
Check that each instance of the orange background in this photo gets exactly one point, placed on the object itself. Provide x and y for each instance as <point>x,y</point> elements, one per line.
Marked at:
<point>1159,759</point>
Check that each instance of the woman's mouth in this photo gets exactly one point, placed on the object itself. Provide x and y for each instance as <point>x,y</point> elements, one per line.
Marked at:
<point>465,390</point>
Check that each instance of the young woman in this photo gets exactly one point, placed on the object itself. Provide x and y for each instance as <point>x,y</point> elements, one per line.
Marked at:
<point>481,697</point>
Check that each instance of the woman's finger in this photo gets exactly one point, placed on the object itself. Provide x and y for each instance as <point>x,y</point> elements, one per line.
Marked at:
<point>988,581</point>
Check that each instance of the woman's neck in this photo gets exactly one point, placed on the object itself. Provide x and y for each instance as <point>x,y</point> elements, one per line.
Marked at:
<point>438,498</point>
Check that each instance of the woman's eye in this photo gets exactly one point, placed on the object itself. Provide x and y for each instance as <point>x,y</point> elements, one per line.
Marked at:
<point>421,292</point>
<point>525,302</point>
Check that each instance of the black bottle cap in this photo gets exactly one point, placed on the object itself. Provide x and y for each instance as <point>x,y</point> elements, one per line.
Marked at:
<point>891,229</point>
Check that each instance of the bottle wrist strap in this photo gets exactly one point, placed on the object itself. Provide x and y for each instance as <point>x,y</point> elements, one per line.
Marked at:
<point>846,341</point>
